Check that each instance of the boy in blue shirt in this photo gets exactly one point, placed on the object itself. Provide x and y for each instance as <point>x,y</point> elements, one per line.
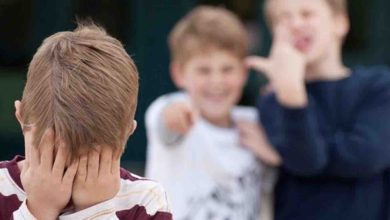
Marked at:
<point>329,123</point>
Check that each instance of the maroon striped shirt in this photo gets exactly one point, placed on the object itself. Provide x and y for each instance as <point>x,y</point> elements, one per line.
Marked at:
<point>137,198</point>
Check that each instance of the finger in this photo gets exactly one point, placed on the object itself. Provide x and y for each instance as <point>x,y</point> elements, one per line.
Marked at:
<point>18,115</point>
<point>82,168</point>
<point>182,123</point>
<point>258,63</point>
<point>281,35</point>
<point>190,114</point>
<point>245,142</point>
<point>70,173</point>
<point>25,167</point>
<point>243,126</point>
<point>189,120</point>
<point>46,147</point>
<point>243,134</point>
<point>60,160</point>
<point>28,144</point>
<point>33,152</point>
<point>93,163</point>
<point>105,160</point>
<point>194,115</point>
<point>28,141</point>
<point>115,163</point>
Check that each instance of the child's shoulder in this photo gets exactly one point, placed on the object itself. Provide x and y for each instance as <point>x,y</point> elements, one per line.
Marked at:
<point>373,80</point>
<point>11,166</point>
<point>131,180</point>
<point>371,74</point>
<point>11,190</point>
<point>9,163</point>
<point>143,192</point>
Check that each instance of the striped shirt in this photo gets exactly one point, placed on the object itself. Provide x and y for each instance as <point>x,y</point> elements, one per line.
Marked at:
<point>137,198</point>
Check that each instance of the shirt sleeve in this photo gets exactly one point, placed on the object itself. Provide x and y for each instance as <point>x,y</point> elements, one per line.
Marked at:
<point>150,203</point>
<point>104,210</point>
<point>23,213</point>
<point>299,142</point>
<point>364,149</point>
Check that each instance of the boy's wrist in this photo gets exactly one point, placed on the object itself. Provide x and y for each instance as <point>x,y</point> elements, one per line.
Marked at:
<point>78,208</point>
<point>292,95</point>
<point>41,212</point>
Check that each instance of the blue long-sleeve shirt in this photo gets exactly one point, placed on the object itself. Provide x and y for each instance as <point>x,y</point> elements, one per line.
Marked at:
<point>335,151</point>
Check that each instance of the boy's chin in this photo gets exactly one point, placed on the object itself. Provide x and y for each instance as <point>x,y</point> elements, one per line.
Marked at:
<point>217,117</point>
<point>312,58</point>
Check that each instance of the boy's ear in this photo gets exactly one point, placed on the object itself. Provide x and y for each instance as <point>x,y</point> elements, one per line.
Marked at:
<point>130,132</point>
<point>134,126</point>
<point>176,74</point>
<point>18,106</point>
<point>342,25</point>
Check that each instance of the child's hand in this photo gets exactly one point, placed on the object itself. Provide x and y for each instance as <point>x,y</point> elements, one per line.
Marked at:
<point>97,179</point>
<point>179,117</point>
<point>285,69</point>
<point>252,137</point>
<point>45,178</point>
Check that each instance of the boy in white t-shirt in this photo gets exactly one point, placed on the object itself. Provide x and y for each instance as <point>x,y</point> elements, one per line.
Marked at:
<point>201,146</point>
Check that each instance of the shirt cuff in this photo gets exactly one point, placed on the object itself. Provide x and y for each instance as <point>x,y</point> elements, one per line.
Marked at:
<point>99,211</point>
<point>23,213</point>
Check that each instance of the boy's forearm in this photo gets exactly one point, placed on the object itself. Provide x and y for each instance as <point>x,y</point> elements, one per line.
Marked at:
<point>42,213</point>
<point>292,95</point>
<point>269,156</point>
<point>296,138</point>
<point>166,135</point>
<point>27,213</point>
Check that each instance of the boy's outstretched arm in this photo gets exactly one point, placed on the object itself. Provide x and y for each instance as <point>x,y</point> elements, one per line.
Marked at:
<point>178,117</point>
<point>169,118</point>
<point>46,181</point>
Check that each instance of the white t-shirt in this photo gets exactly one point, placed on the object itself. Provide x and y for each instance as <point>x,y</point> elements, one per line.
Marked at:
<point>207,174</point>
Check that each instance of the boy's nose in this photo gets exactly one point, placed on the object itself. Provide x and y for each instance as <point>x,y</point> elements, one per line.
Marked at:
<point>216,78</point>
<point>296,22</point>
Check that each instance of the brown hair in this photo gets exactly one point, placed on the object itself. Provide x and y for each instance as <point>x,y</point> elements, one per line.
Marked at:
<point>84,85</point>
<point>206,27</point>
<point>337,7</point>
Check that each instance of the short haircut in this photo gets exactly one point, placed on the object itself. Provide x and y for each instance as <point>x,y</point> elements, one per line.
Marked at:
<point>84,86</point>
<point>336,6</point>
<point>207,27</point>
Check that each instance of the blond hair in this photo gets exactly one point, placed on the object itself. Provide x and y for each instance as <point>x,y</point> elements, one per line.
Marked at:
<point>336,6</point>
<point>207,27</point>
<point>84,85</point>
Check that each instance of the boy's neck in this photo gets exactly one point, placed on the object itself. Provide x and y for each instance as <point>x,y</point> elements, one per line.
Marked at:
<point>222,122</point>
<point>330,67</point>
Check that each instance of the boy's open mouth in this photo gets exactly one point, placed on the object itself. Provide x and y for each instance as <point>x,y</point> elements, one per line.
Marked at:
<point>215,96</point>
<point>303,43</point>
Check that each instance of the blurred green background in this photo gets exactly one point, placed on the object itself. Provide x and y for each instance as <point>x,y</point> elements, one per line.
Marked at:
<point>143,26</point>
